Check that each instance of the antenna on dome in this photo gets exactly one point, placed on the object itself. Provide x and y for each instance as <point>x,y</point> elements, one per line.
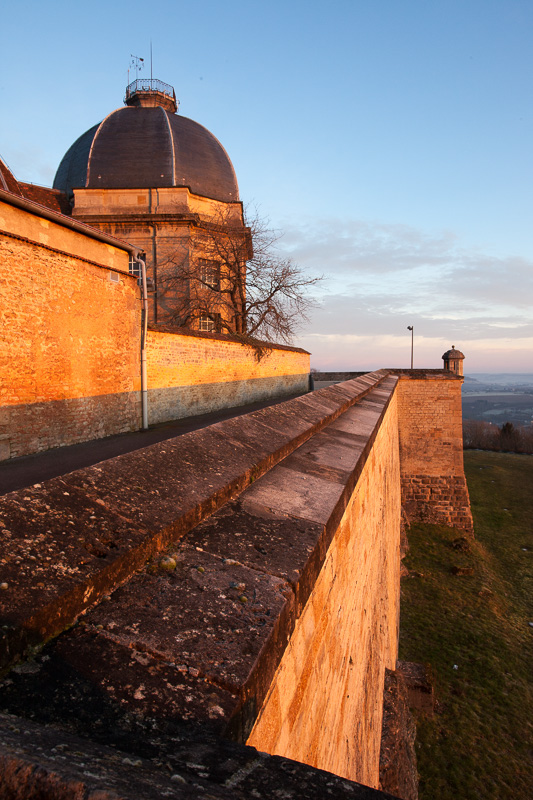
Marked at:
<point>151,72</point>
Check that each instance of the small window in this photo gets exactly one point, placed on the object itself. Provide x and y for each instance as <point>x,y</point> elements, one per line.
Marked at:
<point>210,274</point>
<point>210,323</point>
<point>134,267</point>
<point>206,323</point>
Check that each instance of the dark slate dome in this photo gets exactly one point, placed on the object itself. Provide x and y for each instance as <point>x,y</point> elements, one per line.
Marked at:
<point>146,145</point>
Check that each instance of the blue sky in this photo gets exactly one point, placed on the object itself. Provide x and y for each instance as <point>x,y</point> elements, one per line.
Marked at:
<point>389,139</point>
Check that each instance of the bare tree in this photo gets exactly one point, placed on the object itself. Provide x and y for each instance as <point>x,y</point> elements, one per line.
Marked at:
<point>480,435</point>
<point>232,279</point>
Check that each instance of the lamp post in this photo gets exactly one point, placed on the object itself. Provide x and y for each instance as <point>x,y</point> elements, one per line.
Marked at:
<point>410,328</point>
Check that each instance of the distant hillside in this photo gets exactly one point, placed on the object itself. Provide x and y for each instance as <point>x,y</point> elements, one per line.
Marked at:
<point>499,398</point>
<point>500,379</point>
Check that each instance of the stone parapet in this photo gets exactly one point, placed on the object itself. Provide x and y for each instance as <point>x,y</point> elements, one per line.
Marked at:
<point>207,643</point>
<point>90,530</point>
<point>38,762</point>
<point>324,703</point>
<point>274,613</point>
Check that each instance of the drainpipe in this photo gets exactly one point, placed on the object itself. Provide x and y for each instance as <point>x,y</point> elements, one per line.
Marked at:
<point>144,329</point>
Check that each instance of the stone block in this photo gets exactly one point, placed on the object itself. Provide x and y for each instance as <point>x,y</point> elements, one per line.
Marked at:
<point>5,447</point>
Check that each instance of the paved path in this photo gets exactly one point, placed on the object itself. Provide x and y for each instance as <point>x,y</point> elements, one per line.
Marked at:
<point>18,473</point>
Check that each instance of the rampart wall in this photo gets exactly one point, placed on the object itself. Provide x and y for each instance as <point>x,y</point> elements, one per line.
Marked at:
<point>431,448</point>
<point>270,619</point>
<point>324,706</point>
<point>70,336</point>
<point>191,373</point>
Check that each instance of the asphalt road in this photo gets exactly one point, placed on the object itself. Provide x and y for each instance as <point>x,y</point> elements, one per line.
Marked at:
<point>18,473</point>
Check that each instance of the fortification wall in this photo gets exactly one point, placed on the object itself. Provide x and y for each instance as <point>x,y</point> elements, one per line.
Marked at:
<point>306,559</point>
<point>191,373</point>
<point>270,620</point>
<point>69,356</point>
<point>324,706</point>
<point>431,448</point>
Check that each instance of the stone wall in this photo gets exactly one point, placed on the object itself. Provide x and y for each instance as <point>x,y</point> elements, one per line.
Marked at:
<point>191,373</point>
<point>70,334</point>
<point>335,376</point>
<point>431,448</point>
<point>284,600</point>
<point>244,584</point>
<point>70,356</point>
<point>325,703</point>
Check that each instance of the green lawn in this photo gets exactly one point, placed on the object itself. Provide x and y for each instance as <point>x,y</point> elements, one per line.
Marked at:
<point>473,632</point>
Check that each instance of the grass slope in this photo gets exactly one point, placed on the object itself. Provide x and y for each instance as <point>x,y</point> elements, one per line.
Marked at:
<point>473,631</point>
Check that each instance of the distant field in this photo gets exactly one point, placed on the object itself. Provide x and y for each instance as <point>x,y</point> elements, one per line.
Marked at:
<point>474,633</point>
<point>498,407</point>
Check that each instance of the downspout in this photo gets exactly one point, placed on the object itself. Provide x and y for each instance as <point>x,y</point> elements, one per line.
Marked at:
<point>144,331</point>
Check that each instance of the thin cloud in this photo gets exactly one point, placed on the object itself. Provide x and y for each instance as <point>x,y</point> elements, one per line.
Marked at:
<point>380,278</point>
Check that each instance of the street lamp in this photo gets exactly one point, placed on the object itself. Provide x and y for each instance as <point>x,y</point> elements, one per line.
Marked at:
<point>410,328</point>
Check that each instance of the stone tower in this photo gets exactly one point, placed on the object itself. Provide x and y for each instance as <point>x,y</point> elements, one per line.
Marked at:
<point>453,360</point>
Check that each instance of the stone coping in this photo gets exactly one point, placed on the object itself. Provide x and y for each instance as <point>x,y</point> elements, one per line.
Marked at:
<point>413,374</point>
<point>38,762</point>
<point>174,661</point>
<point>182,658</point>
<point>71,541</point>
<point>224,337</point>
<point>425,374</point>
<point>335,375</point>
<point>37,209</point>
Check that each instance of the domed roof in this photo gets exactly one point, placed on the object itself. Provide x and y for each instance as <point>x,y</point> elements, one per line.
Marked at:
<point>8,182</point>
<point>148,146</point>
<point>453,353</point>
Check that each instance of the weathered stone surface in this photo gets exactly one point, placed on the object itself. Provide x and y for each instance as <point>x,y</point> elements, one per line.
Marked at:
<point>419,687</point>
<point>92,686</point>
<point>115,659</point>
<point>38,763</point>
<point>232,642</point>
<point>171,485</point>
<point>325,469</point>
<point>235,611</point>
<point>397,759</point>
<point>347,631</point>
<point>266,541</point>
<point>431,447</point>
<point>335,376</point>
<point>59,551</point>
<point>147,499</point>
<point>295,493</point>
<point>212,631</point>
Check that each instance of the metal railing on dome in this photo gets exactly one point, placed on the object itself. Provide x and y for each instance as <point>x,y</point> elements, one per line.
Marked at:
<point>150,85</point>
